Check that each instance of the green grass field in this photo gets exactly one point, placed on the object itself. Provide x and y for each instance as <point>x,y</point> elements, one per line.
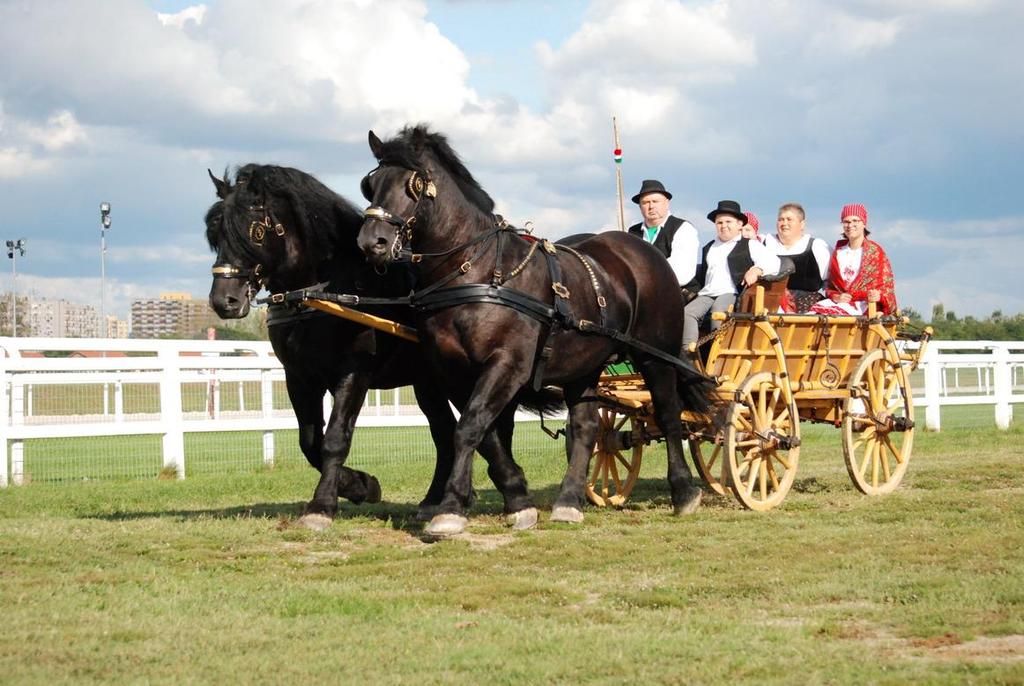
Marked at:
<point>211,580</point>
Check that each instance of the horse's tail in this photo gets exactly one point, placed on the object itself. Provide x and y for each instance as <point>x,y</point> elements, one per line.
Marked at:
<point>696,391</point>
<point>545,402</point>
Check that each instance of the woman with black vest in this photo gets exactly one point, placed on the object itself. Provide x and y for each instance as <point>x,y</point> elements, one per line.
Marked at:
<point>727,264</point>
<point>810,256</point>
<point>676,238</point>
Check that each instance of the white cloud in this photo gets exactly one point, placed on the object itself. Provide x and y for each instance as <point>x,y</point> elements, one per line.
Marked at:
<point>194,14</point>
<point>15,163</point>
<point>186,258</point>
<point>61,131</point>
<point>846,35</point>
<point>646,61</point>
<point>26,147</point>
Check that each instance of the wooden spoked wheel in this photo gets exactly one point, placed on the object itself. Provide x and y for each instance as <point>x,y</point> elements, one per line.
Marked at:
<point>707,458</point>
<point>615,465</point>
<point>878,424</point>
<point>762,442</point>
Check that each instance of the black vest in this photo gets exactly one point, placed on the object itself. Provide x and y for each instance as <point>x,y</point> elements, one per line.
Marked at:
<point>739,261</point>
<point>807,276</point>
<point>663,241</point>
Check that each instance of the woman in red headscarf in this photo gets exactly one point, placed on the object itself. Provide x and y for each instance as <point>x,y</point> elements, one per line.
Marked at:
<point>859,271</point>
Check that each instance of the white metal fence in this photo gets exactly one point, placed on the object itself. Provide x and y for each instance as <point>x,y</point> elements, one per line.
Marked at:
<point>123,400</point>
<point>970,373</point>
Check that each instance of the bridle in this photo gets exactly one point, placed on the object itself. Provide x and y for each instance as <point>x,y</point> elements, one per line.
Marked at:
<point>417,187</point>
<point>255,277</point>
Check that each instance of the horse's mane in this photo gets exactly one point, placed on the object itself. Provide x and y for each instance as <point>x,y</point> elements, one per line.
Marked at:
<point>325,219</point>
<point>407,148</point>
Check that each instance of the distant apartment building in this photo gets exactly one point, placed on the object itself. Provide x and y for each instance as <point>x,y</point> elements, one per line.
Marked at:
<point>173,315</point>
<point>61,319</point>
<point>116,328</point>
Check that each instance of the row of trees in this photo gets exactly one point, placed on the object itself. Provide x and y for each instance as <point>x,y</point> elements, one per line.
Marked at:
<point>253,327</point>
<point>949,327</point>
<point>20,309</point>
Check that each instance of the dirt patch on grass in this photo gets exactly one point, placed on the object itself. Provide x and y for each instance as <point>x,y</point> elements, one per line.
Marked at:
<point>484,541</point>
<point>947,646</point>
<point>997,648</point>
<point>316,557</point>
<point>392,537</point>
<point>352,543</point>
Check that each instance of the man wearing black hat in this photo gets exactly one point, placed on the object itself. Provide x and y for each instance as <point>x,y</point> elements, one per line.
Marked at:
<point>727,264</point>
<point>676,238</point>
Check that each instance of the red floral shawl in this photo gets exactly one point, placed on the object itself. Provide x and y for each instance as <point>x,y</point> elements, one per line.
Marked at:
<point>875,273</point>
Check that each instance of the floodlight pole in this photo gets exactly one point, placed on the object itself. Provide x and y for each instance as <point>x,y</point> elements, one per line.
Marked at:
<point>104,225</point>
<point>15,248</point>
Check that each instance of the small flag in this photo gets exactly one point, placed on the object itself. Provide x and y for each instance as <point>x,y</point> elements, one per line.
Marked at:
<point>618,156</point>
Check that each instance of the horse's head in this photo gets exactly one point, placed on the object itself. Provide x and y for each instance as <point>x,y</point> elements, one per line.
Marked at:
<point>403,193</point>
<point>396,190</point>
<point>252,228</point>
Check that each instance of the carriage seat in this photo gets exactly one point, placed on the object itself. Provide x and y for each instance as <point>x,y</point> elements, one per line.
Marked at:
<point>774,286</point>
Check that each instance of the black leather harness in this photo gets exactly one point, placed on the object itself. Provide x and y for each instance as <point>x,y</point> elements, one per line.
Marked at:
<point>557,315</point>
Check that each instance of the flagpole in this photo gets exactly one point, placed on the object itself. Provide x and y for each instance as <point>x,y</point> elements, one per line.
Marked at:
<point>618,176</point>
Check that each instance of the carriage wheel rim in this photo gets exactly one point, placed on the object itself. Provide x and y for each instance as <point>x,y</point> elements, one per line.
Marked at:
<point>760,472</point>
<point>713,470</point>
<point>876,455</point>
<point>605,483</point>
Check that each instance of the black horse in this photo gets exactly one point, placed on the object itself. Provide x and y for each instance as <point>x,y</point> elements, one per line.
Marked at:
<point>490,352</point>
<point>281,228</point>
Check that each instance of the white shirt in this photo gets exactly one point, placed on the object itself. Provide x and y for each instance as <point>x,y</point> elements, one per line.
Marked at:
<point>819,248</point>
<point>848,260</point>
<point>718,280</point>
<point>685,250</point>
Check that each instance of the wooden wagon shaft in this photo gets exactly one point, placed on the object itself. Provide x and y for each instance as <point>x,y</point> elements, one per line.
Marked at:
<point>379,323</point>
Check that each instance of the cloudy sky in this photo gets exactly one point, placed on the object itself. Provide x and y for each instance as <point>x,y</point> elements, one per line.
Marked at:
<point>912,107</point>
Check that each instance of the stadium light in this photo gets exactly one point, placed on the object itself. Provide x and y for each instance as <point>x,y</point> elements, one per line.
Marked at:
<point>15,249</point>
<point>104,225</point>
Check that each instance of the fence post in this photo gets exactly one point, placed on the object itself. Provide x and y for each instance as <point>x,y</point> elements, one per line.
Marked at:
<point>933,381</point>
<point>118,401</point>
<point>171,412</point>
<point>1003,390</point>
<point>267,404</point>
<point>17,419</point>
<point>5,417</point>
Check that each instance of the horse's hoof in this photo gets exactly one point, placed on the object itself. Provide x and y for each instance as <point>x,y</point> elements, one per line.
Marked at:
<point>315,522</point>
<point>444,525</point>
<point>691,504</point>
<point>569,515</point>
<point>424,513</point>
<point>522,520</point>
<point>372,491</point>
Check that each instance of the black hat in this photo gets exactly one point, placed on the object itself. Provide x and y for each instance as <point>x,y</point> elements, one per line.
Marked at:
<point>728,207</point>
<point>651,186</point>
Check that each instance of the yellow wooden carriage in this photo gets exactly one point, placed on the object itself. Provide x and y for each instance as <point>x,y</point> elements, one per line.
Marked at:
<point>772,372</point>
